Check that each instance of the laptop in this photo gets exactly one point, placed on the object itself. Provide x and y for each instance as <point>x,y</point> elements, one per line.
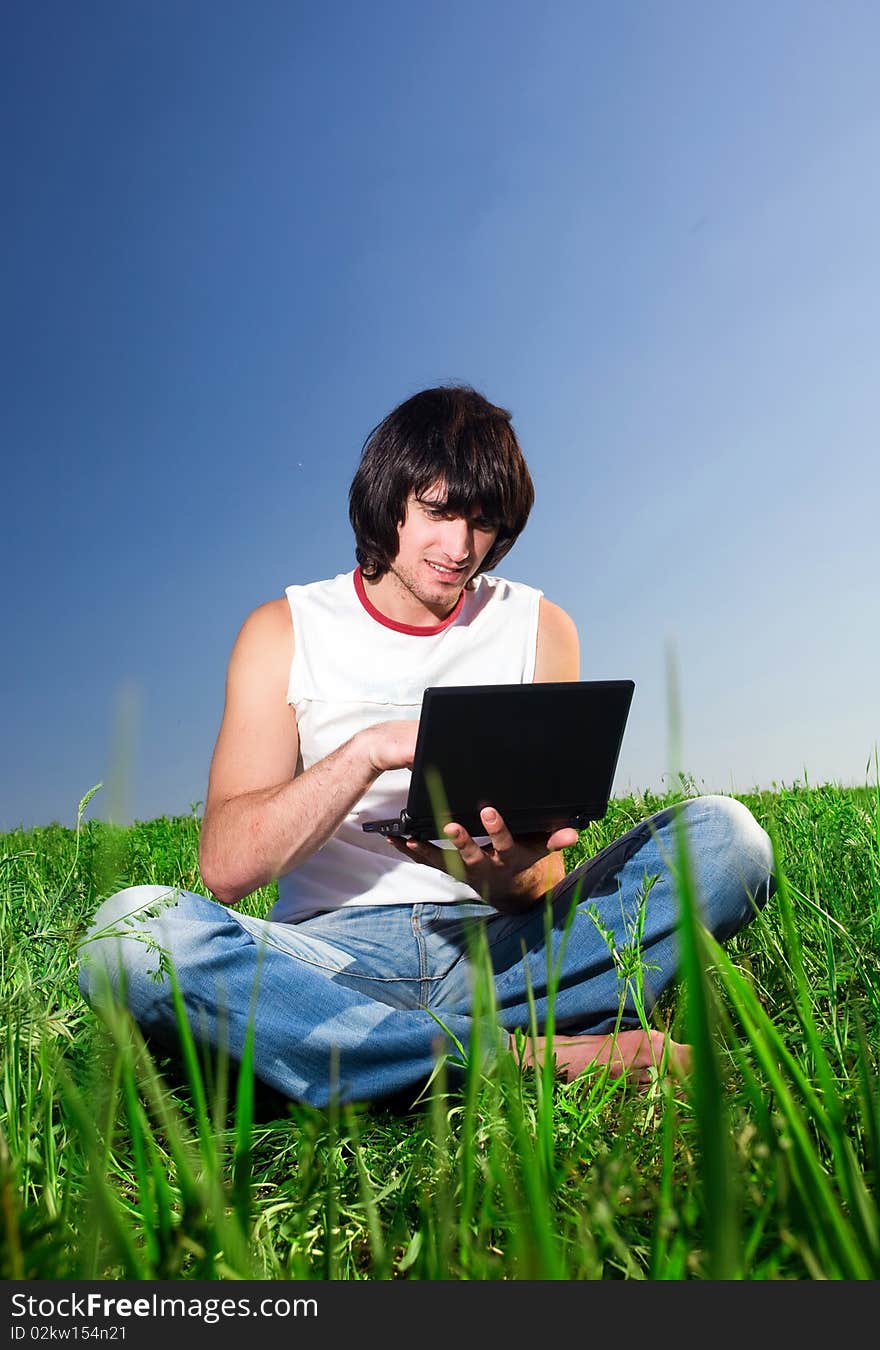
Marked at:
<point>544,755</point>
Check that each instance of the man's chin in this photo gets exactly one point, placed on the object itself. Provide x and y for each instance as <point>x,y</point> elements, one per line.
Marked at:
<point>432,591</point>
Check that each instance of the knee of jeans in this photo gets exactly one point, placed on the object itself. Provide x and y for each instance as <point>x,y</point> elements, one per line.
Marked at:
<point>737,834</point>
<point>122,941</point>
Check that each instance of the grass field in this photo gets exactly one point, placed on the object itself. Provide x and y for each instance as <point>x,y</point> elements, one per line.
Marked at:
<point>764,1166</point>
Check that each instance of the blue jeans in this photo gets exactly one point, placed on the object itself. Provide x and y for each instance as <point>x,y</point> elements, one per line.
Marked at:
<point>348,1001</point>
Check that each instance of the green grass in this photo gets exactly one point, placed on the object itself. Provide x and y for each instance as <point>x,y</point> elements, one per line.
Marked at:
<point>115,1164</point>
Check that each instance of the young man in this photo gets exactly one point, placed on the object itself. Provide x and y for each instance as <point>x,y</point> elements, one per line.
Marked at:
<point>365,958</point>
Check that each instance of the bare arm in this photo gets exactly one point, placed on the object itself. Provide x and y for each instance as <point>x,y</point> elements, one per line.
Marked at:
<point>558,649</point>
<point>558,658</point>
<point>262,817</point>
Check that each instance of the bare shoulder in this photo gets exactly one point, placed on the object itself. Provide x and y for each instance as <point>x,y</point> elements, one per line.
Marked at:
<point>558,651</point>
<point>265,638</point>
<point>269,621</point>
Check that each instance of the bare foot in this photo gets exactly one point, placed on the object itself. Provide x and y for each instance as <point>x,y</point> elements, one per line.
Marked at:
<point>635,1053</point>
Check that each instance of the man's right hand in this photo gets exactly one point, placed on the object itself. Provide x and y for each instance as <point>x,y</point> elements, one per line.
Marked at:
<point>390,745</point>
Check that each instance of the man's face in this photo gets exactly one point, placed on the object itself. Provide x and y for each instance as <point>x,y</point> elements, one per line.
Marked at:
<point>439,552</point>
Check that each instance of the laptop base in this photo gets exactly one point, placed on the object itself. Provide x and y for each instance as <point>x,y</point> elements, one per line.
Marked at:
<point>424,830</point>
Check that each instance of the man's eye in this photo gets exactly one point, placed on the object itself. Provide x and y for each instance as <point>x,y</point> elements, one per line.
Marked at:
<point>443,513</point>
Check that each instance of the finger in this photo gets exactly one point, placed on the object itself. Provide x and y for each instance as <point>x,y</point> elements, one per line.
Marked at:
<point>564,838</point>
<point>468,850</point>
<point>418,851</point>
<point>501,838</point>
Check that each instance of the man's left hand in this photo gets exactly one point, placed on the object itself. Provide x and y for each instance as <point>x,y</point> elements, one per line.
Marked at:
<point>510,873</point>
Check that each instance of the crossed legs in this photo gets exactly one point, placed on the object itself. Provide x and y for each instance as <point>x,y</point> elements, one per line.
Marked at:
<point>359,1002</point>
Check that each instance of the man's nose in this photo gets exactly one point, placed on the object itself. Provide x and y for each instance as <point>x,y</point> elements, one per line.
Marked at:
<point>457,539</point>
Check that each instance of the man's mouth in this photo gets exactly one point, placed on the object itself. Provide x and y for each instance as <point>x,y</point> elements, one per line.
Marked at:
<point>447,573</point>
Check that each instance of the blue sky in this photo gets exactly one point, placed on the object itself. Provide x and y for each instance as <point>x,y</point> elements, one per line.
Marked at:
<point>235,235</point>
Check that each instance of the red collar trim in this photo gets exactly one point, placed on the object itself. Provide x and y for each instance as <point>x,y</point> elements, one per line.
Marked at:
<point>376,614</point>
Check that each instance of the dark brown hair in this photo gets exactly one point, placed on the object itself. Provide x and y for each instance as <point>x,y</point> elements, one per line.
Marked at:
<point>451,435</point>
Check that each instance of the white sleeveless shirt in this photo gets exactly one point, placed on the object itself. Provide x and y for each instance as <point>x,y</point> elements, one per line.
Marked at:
<point>353,667</point>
